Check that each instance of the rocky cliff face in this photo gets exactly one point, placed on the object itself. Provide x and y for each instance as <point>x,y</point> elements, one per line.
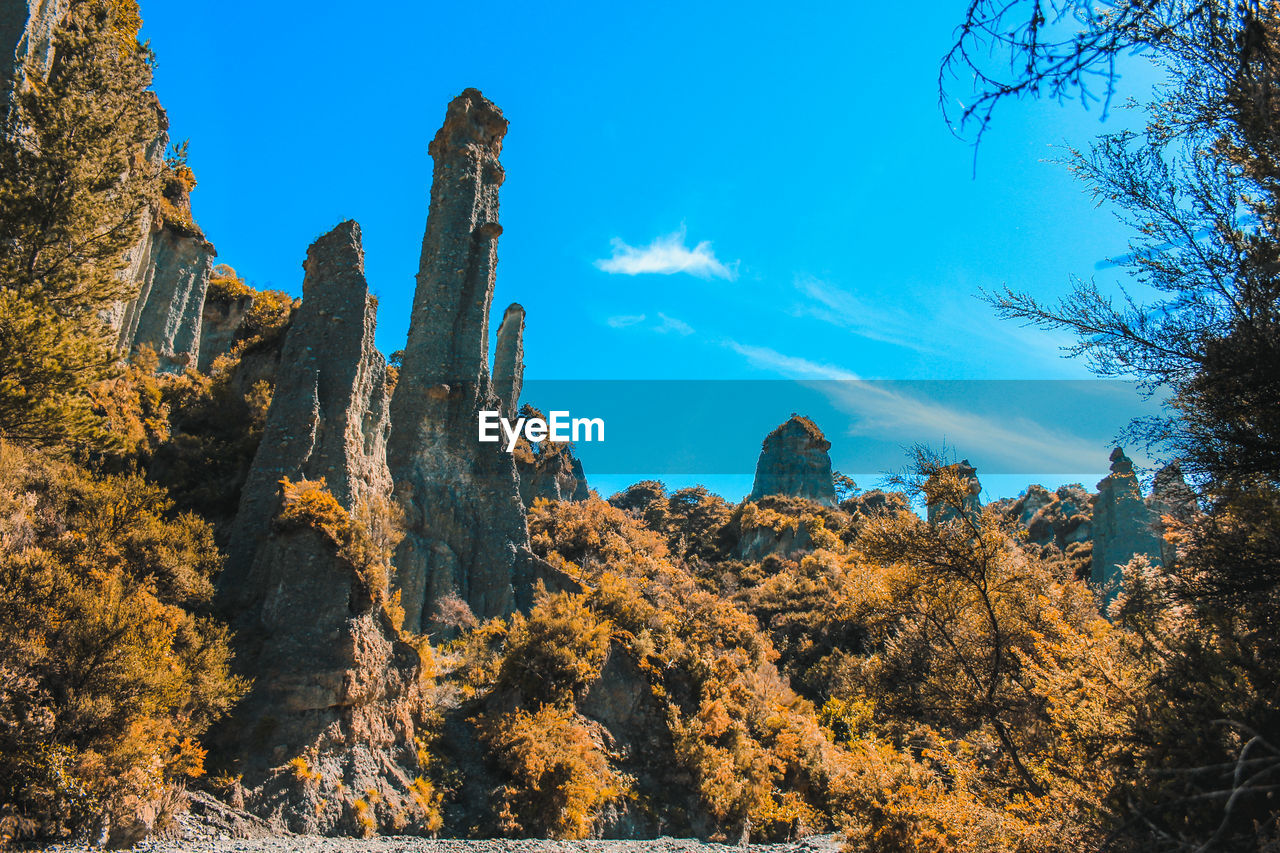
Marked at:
<point>466,530</point>
<point>794,463</point>
<point>1122,526</point>
<point>171,262</point>
<point>27,29</point>
<point>335,686</point>
<point>168,311</point>
<point>171,266</point>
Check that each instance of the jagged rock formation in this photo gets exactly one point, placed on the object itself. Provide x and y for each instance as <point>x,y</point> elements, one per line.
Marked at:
<point>1057,526</point>
<point>794,463</point>
<point>1060,518</point>
<point>554,473</point>
<point>939,512</point>
<point>508,360</point>
<point>1122,526</point>
<point>329,412</point>
<point>548,470</point>
<point>334,685</point>
<point>466,530</point>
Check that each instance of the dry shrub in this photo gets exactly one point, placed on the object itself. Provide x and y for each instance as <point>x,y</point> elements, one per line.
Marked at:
<point>109,675</point>
<point>559,774</point>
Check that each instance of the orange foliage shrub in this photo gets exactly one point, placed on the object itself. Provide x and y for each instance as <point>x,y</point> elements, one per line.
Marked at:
<point>560,776</point>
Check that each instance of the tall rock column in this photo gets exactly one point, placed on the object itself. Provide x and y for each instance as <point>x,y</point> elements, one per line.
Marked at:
<point>1122,526</point>
<point>466,531</point>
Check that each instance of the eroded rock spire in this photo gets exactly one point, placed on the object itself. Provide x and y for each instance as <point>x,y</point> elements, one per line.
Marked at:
<point>1122,527</point>
<point>508,360</point>
<point>333,681</point>
<point>328,416</point>
<point>465,525</point>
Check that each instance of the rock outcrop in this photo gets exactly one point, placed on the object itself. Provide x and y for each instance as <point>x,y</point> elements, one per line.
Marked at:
<point>553,473</point>
<point>1172,497</point>
<point>1060,518</point>
<point>794,463</point>
<point>1122,526</point>
<point>465,524</point>
<point>335,688</point>
<point>938,512</point>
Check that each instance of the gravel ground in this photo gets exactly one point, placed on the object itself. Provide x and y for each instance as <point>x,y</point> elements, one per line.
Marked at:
<point>211,826</point>
<point>407,844</point>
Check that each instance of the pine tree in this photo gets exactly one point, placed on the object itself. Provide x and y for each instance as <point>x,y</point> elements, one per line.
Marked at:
<point>75,180</point>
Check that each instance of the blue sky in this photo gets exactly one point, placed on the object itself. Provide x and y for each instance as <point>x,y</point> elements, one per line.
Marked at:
<point>694,190</point>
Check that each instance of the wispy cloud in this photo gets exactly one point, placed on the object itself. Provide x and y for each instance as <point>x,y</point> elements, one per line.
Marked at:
<point>954,317</point>
<point>621,321</point>
<point>1012,442</point>
<point>899,411</point>
<point>667,255</point>
<point>831,304</point>
<point>673,324</point>
<point>793,367</point>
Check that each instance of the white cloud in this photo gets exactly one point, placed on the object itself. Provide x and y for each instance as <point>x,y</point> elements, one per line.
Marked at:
<point>621,321</point>
<point>794,366</point>
<point>667,255</point>
<point>672,324</point>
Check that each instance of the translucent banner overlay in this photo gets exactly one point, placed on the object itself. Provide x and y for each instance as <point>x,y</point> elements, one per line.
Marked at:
<point>715,427</point>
